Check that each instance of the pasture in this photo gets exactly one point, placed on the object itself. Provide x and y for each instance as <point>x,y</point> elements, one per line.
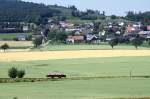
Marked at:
<point>77,65</point>
<point>11,36</point>
<point>80,89</point>
<point>88,67</point>
<point>102,46</point>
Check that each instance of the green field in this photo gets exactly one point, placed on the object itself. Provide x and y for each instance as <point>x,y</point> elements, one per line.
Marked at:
<point>77,89</point>
<point>80,89</point>
<point>10,36</point>
<point>63,47</point>
<point>91,67</point>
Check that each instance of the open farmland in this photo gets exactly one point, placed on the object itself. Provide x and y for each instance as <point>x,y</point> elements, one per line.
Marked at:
<point>80,89</point>
<point>102,46</point>
<point>11,36</point>
<point>88,67</point>
<point>46,55</point>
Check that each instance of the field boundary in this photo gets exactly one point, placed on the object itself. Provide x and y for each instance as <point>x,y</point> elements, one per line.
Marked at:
<point>10,80</point>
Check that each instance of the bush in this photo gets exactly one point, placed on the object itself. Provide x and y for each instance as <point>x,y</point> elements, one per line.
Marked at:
<point>15,98</point>
<point>113,42</point>
<point>37,41</point>
<point>137,42</point>
<point>5,46</point>
<point>12,73</point>
<point>149,43</point>
<point>20,73</point>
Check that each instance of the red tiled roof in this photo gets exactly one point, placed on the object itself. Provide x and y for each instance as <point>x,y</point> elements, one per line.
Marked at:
<point>76,38</point>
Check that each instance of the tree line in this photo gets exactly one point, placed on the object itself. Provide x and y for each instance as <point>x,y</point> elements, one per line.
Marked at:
<point>143,17</point>
<point>19,11</point>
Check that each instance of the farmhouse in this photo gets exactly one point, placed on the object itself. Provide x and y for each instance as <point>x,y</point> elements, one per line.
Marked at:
<point>145,34</point>
<point>148,27</point>
<point>74,39</point>
<point>92,38</point>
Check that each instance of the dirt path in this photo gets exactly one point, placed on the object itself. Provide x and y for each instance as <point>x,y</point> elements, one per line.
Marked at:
<point>46,55</point>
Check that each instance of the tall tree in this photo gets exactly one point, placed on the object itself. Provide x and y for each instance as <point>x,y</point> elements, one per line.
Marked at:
<point>113,42</point>
<point>5,46</point>
<point>37,41</point>
<point>137,41</point>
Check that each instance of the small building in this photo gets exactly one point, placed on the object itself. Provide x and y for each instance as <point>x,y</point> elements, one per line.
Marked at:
<point>148,28</point>
<point>74,39</point>
<point>22,37</point>
<point>92,38</point>
<point>144,34</point>
<point>25,28</point>
<point>130,29</point>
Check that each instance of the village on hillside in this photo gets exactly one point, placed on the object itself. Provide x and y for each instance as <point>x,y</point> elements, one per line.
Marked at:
<point>90,32</point>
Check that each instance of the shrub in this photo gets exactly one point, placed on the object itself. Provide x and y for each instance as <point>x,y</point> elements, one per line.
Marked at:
<point>148,43</point>
<point>15,98</point>
<point>37,41</point>
<point>20,73</point>
<point>113,42</point>
<point>137,42</point>
<point>12,73</point>
<point>5,46</point>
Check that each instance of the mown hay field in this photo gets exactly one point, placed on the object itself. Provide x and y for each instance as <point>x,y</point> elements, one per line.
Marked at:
<point>46,55</point>
<point>19,44</point>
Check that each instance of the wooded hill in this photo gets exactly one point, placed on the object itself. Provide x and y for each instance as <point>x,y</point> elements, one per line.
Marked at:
<point>20,11</point>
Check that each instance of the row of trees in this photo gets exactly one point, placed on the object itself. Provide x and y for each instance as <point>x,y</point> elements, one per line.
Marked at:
<point>137,41</point>
<point>89,14</point>
<point>55,36</point>
<point>14,73</point>
<point>139,17</point>
<point>19,11</point>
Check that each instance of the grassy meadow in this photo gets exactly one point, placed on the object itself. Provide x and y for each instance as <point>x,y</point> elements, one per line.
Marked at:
<point>89,67</point>
<point>80,89</point>
<point>63,47</point>
<point>11,36</point>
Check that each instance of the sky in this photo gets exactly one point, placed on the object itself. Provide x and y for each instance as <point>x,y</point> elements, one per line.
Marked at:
<point>117,7</point>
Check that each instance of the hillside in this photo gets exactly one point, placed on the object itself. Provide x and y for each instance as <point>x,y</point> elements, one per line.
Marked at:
<point>19,11</point>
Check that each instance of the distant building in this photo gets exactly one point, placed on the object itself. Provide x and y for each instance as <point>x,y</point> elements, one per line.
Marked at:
<point>64,24</point>
<point>22,37</point>
<point>145,34</point>
<point>148,27</point>
<point>25,28</point>
<point>92,38</point>
<point>75,39</point>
